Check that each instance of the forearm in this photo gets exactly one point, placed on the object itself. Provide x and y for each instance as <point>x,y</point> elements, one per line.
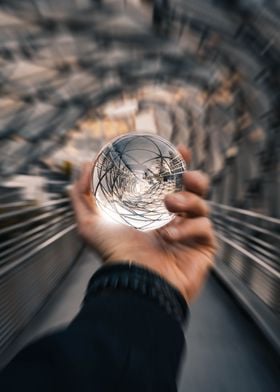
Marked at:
<point>121,340</point>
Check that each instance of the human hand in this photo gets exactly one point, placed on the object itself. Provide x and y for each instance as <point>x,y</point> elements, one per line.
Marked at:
<point>181,252</point>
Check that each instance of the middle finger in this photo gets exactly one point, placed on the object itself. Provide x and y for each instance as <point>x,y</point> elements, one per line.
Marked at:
<point>187,202</point>
<point>196,182</point>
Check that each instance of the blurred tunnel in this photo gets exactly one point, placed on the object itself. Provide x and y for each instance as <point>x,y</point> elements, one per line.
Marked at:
<point>76,73</point>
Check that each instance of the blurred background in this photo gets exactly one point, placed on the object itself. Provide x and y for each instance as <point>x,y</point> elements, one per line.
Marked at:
<point>205,73</point>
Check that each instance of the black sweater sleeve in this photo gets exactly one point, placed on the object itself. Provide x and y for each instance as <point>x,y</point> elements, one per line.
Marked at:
<point>120,341</point>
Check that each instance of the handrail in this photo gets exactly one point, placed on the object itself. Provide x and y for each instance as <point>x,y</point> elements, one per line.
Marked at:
<point>24,244</point>
<point>36,229</point>
<point>234,227</point>
<point>241,234</point>
<point>268,257</point>
<point>33,242</point>
<point>246,212</point>
<point>7,268</point>
<point>12,193</point>
<point>256,259</point>
<point>33,209</point>
<point>249,225</point>
<point>22,203</point>
<point>32,220</point>
<point>233,224</point>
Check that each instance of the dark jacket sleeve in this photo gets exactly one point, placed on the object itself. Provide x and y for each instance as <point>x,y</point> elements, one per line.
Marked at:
<point>120,341</point>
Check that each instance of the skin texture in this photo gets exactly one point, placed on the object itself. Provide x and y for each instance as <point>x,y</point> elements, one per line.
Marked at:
<point>182,252</point>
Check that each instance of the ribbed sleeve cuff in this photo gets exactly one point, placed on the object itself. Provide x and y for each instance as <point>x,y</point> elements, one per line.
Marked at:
<point>131,277</point>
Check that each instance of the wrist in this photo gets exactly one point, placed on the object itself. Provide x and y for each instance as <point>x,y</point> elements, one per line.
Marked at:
<point>133,277</point>
<point>158,266</point>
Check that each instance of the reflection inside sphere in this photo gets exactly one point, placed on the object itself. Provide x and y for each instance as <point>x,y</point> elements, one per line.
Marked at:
<point>131,177</point>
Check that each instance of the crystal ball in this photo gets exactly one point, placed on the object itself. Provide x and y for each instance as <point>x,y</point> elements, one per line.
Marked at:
<point>131,177</point>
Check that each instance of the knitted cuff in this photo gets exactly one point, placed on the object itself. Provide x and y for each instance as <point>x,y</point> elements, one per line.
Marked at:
<point>126,275</point>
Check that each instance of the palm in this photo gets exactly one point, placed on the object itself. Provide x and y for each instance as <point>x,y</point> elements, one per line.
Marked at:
<point>181,251</point>
<point>153,249</point>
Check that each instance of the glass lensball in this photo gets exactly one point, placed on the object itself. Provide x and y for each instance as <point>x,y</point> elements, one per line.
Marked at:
<point>131,177</point>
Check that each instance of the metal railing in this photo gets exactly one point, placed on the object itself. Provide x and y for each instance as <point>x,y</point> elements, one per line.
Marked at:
<point>38,245</point>
<point>249,246</point>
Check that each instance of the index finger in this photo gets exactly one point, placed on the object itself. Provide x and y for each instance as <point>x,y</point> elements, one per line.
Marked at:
<point>185,152</point>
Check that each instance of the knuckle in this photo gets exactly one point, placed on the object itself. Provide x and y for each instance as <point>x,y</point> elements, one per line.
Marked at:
<point>193,200</point>
<point>207,224</point>
<point>198,205</point>
<point>201,206</point>
<point>206,209</point>
<point>205,182</point>
<point>202,178</point>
